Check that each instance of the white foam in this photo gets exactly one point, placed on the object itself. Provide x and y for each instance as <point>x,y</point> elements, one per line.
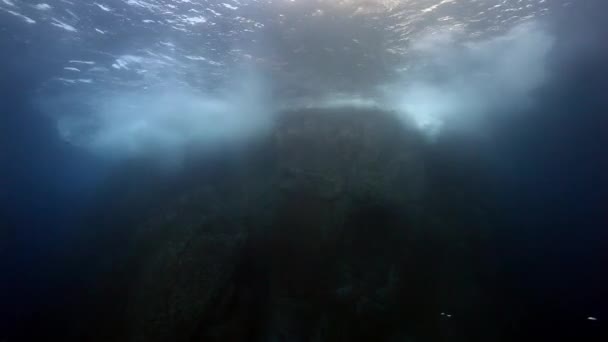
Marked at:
<point>194,20</point>
<point>81,62</point>
<point>167,44</point>
<point>72,14</point>
<point>229,6</point>
<point>124,61</point>
<point>196,58</point>
<point>66,80</point>
<point>434,7</point>
<point>103,7</point>
<point>215,13</point>
<point>143,4</point>
<point>61,24</point>
<point>25,18</point>
<point>43,7</point>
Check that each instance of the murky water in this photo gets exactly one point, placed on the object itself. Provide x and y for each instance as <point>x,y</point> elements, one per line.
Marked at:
<point>303,170</point>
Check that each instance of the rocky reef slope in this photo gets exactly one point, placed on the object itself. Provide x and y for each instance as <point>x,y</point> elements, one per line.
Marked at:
<point>344,225</point>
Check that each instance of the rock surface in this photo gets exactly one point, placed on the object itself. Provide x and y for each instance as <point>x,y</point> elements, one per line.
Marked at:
<point>330,230</point>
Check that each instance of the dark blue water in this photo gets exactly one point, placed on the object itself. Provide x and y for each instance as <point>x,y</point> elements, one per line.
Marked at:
<point>547,169</point>
<point>46,187</point>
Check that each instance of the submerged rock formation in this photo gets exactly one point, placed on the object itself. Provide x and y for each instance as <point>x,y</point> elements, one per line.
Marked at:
<point>327,231</point>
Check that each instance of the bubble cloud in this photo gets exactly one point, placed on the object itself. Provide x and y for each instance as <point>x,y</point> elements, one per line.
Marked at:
<point>163,122</point>
<point>456,84</point>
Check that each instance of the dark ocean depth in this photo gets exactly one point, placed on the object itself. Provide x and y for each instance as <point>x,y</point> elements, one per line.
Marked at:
<point>327,221</point>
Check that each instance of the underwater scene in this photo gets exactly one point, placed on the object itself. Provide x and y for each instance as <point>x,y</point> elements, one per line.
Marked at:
<point>304,170</point>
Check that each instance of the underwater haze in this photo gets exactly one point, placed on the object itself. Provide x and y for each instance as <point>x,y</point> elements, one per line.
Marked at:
<point>303,170</point>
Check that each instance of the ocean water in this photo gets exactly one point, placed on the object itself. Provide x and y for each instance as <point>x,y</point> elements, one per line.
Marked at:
<point>303,170</point>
